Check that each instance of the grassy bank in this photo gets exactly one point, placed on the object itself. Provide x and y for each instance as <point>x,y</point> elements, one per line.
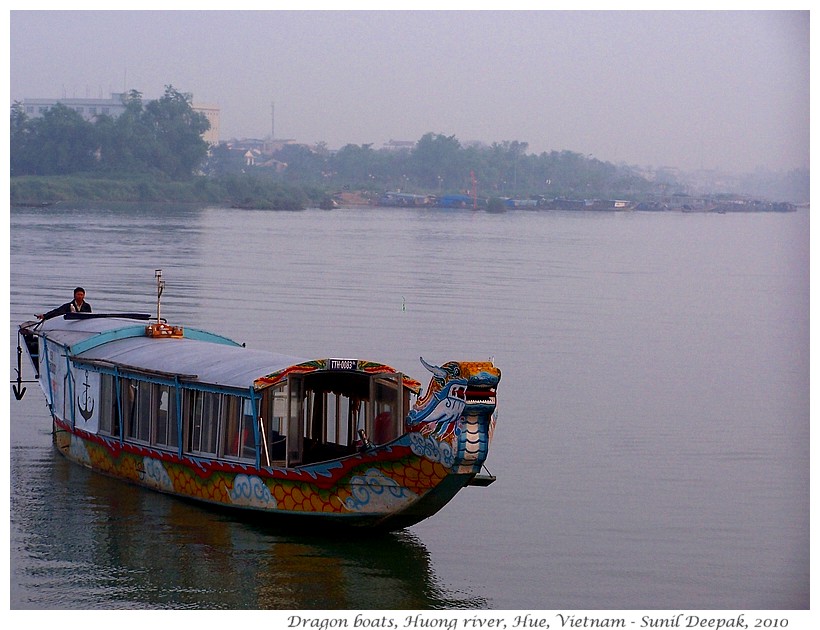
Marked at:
<point>246,192</point>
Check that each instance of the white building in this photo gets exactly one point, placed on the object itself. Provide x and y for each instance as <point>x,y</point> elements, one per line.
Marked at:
<point>90,108</point>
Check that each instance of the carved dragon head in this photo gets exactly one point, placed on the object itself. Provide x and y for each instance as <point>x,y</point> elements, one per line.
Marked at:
<point>458,408</point>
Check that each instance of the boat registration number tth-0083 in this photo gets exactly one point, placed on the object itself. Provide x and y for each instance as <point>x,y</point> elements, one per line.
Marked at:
<point>342,364</point>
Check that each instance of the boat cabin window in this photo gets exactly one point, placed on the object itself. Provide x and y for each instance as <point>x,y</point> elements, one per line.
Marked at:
<point>201,416</point>
<point>238,436</point>
<point>149,411</point>
<point>273,420</point>
<point>219,425</point>
<point>387,414</point>
<point>109,409</point>
<point>215,424</point>
<point>166,430</point>
<point>136,409</point>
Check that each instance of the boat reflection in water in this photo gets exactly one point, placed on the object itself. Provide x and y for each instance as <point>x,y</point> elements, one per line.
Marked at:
<point>143,550</point>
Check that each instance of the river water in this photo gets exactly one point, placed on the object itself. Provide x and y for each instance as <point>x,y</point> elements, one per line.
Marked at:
<point>652,448</point>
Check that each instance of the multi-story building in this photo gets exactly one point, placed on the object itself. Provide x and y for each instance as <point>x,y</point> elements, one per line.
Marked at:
<point>211,112</point>
<point>90,108</point>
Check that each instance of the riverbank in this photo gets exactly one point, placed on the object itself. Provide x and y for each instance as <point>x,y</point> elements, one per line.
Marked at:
<point>253,193</point>
<point>31,191</point>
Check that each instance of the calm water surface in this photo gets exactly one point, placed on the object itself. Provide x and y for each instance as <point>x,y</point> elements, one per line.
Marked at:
<point>652,448</point>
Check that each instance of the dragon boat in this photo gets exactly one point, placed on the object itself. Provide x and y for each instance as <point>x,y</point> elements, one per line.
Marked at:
<point>292,441</point>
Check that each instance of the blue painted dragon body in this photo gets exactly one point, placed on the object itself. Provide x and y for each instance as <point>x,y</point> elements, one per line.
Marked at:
<point>458,411</point>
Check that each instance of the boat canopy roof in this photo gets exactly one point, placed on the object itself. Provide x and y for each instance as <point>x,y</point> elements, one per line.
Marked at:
<point>198,355</point>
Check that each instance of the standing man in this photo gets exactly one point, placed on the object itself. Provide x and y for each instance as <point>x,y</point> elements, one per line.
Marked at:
<point>77,305</point>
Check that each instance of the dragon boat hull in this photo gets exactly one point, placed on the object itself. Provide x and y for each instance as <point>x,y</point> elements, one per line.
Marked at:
<point>317,443</point>
<point>387,488</point>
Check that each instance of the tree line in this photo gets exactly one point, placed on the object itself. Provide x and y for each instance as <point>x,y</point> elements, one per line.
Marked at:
<point>440,164</point>
<point>162,138</point>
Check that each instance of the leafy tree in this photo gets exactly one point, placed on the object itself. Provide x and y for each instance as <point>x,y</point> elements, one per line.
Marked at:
<point>126,142</point>
<point>164,136</point>
<point>304,165</point>
<point>177,147</point>
<point>436,162</point>
<point>21,151</point>
<point>221,161</point>
<point>58,143</point>
<point>354,164</point>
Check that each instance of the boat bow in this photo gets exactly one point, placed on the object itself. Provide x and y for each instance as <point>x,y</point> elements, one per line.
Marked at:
<point>456,416</point>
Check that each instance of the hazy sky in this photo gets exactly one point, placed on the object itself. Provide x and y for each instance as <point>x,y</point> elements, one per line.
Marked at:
<point>704,89</point>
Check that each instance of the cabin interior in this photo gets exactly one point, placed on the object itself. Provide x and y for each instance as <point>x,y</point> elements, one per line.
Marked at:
<point>305,419</point>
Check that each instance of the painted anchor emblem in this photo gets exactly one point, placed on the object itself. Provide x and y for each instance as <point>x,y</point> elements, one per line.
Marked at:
<point>85,411</point>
